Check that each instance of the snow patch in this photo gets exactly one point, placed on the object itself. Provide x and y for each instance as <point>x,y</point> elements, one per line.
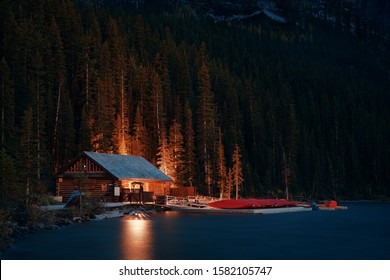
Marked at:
<point>274,17</point>
<point>233,17</point>
<point>109,214</point>
<point>271,11</point>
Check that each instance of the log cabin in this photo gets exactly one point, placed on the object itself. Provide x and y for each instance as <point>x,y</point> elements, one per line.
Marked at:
<point>112,178</point>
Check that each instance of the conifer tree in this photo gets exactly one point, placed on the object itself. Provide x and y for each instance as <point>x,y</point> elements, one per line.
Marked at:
<point>229,183</point>
<point>139,138</point>
<point>237,172</point>
<point>70,26</point>
<point>176,149</point>
<point>10,191</point>
<point>158,122</point>
<point>67,145</point>
<point>26,156</point>
<point>140,38</point>
<point>206,122</point>
<point>189,146</point>
<point>164,157</point>
<point>122,130</point>
<point>141,93</point>
<point>85,143</point>
<point>37,94</point>
<point>56,85</point>
<point>162,69</point>
<point>105,110</point>
<point>91,44</point>
<point>7,104</point>
<point>221,168</point>
<point>118,65</point>
<point>183,83</point>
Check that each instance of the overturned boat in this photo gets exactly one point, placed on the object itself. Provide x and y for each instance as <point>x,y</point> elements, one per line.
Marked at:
<point>253,203</point>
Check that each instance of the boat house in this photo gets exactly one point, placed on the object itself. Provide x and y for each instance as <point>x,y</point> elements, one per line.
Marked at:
<point>112,178</point>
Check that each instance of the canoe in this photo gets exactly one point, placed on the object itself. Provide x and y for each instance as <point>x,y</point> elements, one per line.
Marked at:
<point>252,203</point>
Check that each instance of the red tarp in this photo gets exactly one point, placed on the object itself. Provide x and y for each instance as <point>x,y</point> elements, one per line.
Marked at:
<point>252,203</point>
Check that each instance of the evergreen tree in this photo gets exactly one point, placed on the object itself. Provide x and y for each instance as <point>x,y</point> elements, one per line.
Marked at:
<point>140,38</point>
<point>229,183</point>
<point>237,172</point>
<point>67,145</point>
<point>55,83</point>
<point>91,42</point>
<point>158,123</point>
<point>206,123</point>
<point>105,110</point>
<point>85,142</point>
<point>10,191</point>
<point>139,145</point>
<point>37,94</point>
<point>162,69</point>
<point>221,167</point>
<point>141,93</point>
<point>289,153</point>
<point>176,149</point>
<point>164,157</point>
<point>183,83</point>
<point>26,156</point>
<point>189,146</point>
<point>7,105</point>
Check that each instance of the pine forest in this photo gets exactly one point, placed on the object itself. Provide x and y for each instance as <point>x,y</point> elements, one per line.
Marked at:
<point>247,108</point>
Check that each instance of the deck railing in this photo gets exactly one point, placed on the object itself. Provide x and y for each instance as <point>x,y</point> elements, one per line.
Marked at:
<point>190,200</point>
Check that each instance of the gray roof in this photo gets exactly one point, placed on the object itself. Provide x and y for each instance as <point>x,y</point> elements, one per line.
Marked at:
<point>128,167</point>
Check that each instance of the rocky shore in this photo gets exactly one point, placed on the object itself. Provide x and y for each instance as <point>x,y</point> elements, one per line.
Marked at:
<point>56,218</point>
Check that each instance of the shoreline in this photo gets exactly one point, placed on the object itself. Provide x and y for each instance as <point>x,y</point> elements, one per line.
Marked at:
<point>57,216</point>
<point>54,217</point>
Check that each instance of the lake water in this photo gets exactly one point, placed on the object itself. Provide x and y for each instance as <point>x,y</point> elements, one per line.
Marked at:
<point>361,232</point>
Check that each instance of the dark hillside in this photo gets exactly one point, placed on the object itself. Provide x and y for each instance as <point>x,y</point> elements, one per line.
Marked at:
<point>306,102</point>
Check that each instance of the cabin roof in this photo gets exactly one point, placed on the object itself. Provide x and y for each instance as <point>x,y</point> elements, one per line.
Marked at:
<point>128,167</point>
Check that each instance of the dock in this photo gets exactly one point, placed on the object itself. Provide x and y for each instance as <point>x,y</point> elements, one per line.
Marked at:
<point>333,208</point>
<point>210,210</point>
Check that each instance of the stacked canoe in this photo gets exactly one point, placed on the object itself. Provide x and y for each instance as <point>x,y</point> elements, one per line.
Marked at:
<point>252,203</point>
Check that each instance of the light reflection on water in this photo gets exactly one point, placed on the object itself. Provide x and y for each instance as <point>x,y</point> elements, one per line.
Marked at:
<point>141,235</point>
<point>137,238</point>
<point>361,232</point>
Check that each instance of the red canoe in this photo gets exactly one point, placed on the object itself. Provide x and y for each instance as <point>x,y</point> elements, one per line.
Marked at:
<point>252,203</point>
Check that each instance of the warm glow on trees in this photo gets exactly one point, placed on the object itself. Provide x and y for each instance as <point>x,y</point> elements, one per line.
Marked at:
<point>164,157</point>
<point>206,128</point>
<point>171,155</point>
<point>229,183</point>
<point>122,137</point>
<point>105,105</point>
<point>189,144</point>
<point>176,150</point>
<point>237,169</point>
<point>138,139</point>
<point>110,77</point>
<point>121,134</point>
<point>221,168</point>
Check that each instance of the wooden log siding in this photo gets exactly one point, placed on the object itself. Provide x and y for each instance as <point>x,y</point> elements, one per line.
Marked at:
<point>90,167</point>
<point>99,188</point>
<point>95,172</point>
<point>91,187</point>
<point>157,188</point>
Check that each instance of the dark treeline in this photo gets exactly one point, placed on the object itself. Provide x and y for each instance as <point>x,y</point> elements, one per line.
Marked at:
<point>306,103</point>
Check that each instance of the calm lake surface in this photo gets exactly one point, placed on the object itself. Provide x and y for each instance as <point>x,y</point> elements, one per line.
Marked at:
<point>361,232</point>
